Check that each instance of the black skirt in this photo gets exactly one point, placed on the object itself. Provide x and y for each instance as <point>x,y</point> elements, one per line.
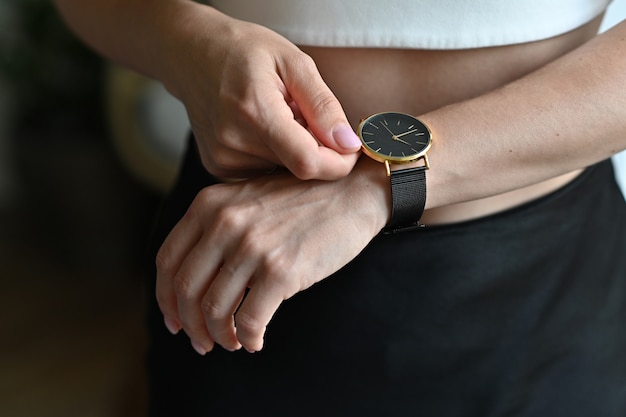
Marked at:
<point>520,313</point>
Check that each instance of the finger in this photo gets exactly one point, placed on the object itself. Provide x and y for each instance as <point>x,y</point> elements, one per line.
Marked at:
<point>255,313</point>
<point>225,162</point>
<point>182,238</point>
<point>300,152</point>
<point>232,164</point>
<point>319,107</point>
<point>295,135</point>
<point>191,282</point>
<point>222,300</point>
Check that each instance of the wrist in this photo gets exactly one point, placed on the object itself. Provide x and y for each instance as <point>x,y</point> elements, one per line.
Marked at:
<point>372,182</point>
<point>182,31</point>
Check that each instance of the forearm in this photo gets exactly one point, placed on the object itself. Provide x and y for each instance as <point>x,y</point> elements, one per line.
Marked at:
<point>568,115</point>
<point>146,35</point>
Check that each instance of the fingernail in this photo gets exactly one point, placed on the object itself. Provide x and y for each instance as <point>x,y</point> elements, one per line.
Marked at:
<point>234,348</point>
<point>198,348</point>
<point>172,325</point>
<point>345,137</point>
<point>252,350</point>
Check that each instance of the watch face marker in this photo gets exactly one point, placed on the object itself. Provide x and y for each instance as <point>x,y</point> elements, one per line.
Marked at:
<point>373,125</point>
<point>368,133</point>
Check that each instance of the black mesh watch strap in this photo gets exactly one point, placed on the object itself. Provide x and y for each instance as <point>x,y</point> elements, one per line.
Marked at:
<point>408,195</point>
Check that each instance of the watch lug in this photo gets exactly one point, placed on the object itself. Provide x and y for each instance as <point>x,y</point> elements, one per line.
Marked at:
<point>387,168</point>
<point>426,163</point>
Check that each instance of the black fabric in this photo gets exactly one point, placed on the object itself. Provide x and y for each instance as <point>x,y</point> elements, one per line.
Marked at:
<point>522,313</point>
<point>408,194</point>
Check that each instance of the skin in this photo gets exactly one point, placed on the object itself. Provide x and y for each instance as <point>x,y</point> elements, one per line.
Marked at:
<point>509,124</point>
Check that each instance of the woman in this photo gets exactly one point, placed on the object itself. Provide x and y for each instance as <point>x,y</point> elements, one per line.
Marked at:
<point>509,302</point>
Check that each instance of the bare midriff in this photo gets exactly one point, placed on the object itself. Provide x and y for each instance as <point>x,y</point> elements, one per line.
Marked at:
<point>368,81</point>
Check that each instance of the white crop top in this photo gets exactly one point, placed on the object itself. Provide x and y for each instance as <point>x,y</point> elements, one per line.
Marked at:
<point>416,24</point>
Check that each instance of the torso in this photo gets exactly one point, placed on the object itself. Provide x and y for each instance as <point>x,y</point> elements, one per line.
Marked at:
<point>368,81</point>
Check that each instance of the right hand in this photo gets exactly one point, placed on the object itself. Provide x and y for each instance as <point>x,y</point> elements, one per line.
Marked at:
<point>244,247</point>
<point>256,101</point>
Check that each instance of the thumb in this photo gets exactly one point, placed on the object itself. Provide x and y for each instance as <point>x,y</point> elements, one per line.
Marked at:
<point>320,108</point>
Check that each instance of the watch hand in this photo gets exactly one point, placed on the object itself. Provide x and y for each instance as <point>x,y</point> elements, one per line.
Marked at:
<point>400,140</point>
<point>385,126</point>
<point>406,133</point>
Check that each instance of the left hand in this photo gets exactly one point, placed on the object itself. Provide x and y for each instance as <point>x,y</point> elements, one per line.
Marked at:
<point>255,101</point>
<point>275,235</point>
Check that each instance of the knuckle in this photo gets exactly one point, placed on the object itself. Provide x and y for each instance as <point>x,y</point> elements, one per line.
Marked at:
<point>183,285</point>
<point>203,196</point>
<point>275,268</point>
<point>230,218</point>
<point>305,167</point>
<point>212,309</point>
<point>164,261</point>
<point>194,213</point>
<point>279,271</point>
<point>249,324</point>
<point>324,102</point>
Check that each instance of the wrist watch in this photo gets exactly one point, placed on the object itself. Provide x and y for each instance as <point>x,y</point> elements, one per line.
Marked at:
<point>397,139</point>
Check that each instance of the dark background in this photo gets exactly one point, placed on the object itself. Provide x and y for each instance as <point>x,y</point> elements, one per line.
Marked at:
<point>73,229</point>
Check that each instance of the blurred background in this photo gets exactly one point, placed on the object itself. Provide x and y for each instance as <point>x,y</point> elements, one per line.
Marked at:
<point>76,209</point>
<point>87,151</point>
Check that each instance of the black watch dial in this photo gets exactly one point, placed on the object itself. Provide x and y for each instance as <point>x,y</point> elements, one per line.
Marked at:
<point>395,137</point>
